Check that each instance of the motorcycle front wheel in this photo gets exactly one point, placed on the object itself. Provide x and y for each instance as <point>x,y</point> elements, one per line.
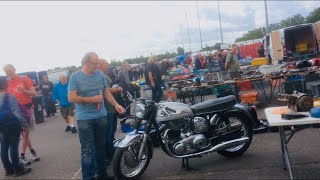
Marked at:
<point>126,164</point>
<point>246,130</point>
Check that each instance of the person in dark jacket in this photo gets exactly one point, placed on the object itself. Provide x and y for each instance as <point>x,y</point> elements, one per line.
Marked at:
<point>46,88</point>
<point>199,62</point>
<point>11,121</point>
<point>154,79</point>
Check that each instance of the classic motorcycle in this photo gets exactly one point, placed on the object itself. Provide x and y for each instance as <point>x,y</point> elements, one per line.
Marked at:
<point>217,125</point>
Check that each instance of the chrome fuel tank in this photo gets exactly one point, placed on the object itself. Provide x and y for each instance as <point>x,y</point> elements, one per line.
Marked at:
<point>182,111</point>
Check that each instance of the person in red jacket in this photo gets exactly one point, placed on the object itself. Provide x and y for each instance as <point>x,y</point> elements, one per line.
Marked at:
<point>22,88</point>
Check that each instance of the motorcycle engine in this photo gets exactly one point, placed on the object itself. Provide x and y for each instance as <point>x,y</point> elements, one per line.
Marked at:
<point>190,144</point>
<point>200,125</point>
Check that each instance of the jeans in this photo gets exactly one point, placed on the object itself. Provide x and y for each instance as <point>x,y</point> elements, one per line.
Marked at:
<point>111,130</point>
<point>92,135</point>
<point>10,139</point>
<point>48,104</point>
<point>156,92</point>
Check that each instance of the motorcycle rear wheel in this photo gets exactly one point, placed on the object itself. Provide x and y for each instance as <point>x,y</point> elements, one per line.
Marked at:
<point>125,159</point>
<point>246,130</point>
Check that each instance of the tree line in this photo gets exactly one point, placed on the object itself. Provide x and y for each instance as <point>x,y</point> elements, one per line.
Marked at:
<point>297,19</point>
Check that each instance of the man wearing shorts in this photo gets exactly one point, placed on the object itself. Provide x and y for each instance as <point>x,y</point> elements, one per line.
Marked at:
<point>60,95</point>
<point>22,88</point>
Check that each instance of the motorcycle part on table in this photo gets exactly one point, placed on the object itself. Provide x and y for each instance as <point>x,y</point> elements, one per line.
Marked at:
<point>184,131</point>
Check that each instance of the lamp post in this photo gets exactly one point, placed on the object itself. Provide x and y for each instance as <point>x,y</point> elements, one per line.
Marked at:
<point>220,23</point>
<point>181,36</point>
<point>199,24</point>
<point>188,33</point>
<point>266,14</point>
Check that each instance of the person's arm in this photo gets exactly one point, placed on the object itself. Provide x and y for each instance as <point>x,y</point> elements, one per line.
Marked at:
<point>126,77</point>
<point>55,96</point>
<point>31,91</point>
<point>228,59</point>
<point>115,90</point>
<point>113,102</point>
<point>14,106</point>
<point>75,98</point>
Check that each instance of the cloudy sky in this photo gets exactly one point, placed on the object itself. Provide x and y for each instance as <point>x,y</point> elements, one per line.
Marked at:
<point>37,36</point>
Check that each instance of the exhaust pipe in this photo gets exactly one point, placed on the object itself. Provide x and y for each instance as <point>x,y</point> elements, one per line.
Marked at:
<point>218,147</point>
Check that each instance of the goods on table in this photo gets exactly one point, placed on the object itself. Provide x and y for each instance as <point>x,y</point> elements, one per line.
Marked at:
<point>249,97</point>
<point>259,61</point>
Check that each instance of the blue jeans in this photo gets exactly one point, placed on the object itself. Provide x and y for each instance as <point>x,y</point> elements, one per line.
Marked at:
<point>156,92</point>
<point>92,135</point>
<point>48,104</point>
<point>10,139</point>
<point>111,130</point>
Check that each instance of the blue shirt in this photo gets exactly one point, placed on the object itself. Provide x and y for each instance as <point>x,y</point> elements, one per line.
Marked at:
<point>60,92</point>
<point>88,86</point>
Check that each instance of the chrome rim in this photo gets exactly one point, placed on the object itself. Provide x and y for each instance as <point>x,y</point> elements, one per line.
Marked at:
<point>244,133</point>
<point>130,166</point>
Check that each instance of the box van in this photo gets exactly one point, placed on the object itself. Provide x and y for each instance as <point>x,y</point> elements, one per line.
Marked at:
<point>293,43</point>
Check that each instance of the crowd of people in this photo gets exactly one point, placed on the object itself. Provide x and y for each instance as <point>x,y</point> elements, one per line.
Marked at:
<point>93,97</point>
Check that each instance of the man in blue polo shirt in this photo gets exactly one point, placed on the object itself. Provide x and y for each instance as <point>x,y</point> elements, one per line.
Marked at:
<point>86,89</point>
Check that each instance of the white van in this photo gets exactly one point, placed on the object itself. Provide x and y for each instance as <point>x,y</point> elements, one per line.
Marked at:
<point>293,43</point>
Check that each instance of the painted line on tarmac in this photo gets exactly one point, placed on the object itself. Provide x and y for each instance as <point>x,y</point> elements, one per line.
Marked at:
<point>76,174</point>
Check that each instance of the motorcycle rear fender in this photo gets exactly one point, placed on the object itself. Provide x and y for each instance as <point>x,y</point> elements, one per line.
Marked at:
<point>131,137</point>
<point>249,112</point>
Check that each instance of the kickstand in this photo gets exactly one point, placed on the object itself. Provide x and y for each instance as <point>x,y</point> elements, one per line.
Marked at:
<point>185,163</point>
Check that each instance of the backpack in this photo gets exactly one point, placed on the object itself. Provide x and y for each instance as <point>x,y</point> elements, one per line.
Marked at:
<point>26,113</point>
<point>7,118</point>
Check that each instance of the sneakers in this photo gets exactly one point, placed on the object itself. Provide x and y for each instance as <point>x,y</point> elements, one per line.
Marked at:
<point>73,130</point>
<point>35,157</point>
<point>22,171</point>
<point>24,161</point>
<point>68,128</point>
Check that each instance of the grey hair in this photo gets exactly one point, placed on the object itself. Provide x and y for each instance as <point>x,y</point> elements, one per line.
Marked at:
<point>7,66</point>
<point>124,63</point>
<point>87,57</point>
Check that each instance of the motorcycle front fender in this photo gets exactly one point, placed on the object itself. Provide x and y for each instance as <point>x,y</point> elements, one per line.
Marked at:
<point>131,137</point>
<point>128,139</point>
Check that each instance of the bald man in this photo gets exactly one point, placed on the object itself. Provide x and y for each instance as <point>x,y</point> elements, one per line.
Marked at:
<point>60,95</point>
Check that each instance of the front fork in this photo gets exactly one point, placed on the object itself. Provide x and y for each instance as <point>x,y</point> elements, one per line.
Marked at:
<point>143,144</point>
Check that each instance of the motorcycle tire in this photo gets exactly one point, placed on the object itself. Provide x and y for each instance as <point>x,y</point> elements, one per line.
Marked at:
<point>244,120</point>
<point>117,158</point>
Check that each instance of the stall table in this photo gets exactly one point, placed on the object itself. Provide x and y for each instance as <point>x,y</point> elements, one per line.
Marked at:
<point>276,120</point>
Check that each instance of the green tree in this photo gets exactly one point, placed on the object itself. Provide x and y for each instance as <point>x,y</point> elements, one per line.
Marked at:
<point>216,46</point>
<point>314,16</point>
<point>180,50</point>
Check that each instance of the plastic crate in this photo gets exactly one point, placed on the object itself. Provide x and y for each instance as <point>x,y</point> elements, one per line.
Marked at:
<point>259,61</point>
<point>301,47</point>
<point>249,97</point>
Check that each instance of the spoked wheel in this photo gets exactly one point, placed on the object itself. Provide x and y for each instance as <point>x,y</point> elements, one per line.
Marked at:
<point>241,127</point>
<point>126,164</point>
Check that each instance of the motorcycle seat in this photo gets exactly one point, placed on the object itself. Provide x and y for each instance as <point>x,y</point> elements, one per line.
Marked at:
<point>214,105</point>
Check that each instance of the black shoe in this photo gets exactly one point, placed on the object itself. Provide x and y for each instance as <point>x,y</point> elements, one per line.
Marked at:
<point>9,173</point>
<point>22,172</point>
<point>48,115</point>
<point>73,130</point>
<point>68,128</point>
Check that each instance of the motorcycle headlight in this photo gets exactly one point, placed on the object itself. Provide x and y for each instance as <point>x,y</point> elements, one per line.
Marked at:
<point>139,110</point>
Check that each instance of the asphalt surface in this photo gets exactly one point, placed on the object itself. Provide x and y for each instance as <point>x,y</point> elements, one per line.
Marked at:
<point>60,157</point>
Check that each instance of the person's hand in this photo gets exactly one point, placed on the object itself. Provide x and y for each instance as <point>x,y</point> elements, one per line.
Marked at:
<point>120,89</point>
<point>97,98</point>
<point>153,85</point>
<point>119,109</point>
